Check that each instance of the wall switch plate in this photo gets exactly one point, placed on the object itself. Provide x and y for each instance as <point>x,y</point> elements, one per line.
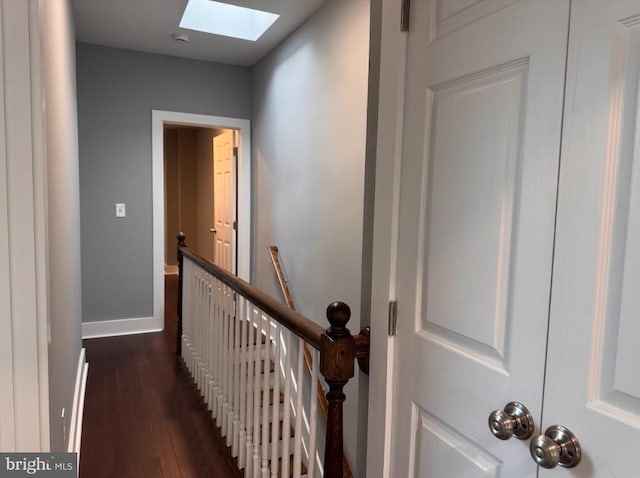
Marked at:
<point>121,210</point>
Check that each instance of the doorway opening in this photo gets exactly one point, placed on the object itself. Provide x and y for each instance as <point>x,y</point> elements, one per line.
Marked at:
<point>221,234</point>
<point>200,184</point>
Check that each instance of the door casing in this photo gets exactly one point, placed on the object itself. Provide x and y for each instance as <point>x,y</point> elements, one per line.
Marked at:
<point>393,51</point>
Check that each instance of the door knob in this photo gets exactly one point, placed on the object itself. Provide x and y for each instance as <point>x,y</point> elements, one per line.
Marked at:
<point>213,230</point>
<point>515,419</point>
<point>558,446</point>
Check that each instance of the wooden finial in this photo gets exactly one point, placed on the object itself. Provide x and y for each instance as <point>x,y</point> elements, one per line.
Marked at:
<point>338,314</point>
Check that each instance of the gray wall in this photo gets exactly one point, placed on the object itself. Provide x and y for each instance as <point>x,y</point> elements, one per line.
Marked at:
<point>309,136</point>
<point>117,90</point>
<point>64,215</point>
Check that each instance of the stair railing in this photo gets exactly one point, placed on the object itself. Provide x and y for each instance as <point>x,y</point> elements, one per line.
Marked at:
<point>245,352</point>
<point>274,254</point>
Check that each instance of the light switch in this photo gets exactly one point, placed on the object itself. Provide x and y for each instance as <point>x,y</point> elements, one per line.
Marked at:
<point>121,210</point>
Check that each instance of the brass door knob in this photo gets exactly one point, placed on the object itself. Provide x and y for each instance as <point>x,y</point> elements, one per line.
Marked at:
<point>515,419</point>
<point>558,446</point>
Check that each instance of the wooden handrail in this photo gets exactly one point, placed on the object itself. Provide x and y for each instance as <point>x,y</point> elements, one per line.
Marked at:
<point>295,322</point>
<point>282,280</point>
<point>288,298</point>
<point>338,348</point>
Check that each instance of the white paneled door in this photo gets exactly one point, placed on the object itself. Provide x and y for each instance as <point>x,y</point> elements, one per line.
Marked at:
<point>593,377</point>
<point>479,176</point>
<point>495,286</point>
<point>224,190</point>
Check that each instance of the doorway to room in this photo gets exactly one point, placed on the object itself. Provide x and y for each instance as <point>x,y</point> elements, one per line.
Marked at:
<point>200,185</point>
<point>217,224</point>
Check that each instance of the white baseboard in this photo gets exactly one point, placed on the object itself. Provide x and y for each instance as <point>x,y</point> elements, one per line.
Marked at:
<point>77,413</point>
<point>170,270</point>
<point>111,328</point>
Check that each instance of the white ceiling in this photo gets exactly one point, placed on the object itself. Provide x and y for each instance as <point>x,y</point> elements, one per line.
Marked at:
<point>149,25</point>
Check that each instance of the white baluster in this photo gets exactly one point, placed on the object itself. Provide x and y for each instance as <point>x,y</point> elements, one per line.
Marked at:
<point>225,361</point>
<point>202,321</point>
<point>230,363</point>
<point>231,366</point>
<point>251,379</point>
<point>210,331</point>
<point>222,418</point>
<point>256,393</point>
<point>215,340</point>
<point>313,414</point>
<point>275,422</point>
<point>190,301</point>
<point>221,362</point>
<point>196,337</point>
<point>219,352</point>
<point>264,439</point>
<point>286,419</point>
<point>222,343</point>
<point>251,396</point>
<point>185,310</point>
<point>242,358</point>
<point>297,453</point>
<point>237,320</point>
<point>195,322</point>
<point>199,312</point>
<point>204,340</point>
<point>187,304</point>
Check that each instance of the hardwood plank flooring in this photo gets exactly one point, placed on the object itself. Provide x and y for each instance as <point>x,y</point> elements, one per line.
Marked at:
<point>142,415</point>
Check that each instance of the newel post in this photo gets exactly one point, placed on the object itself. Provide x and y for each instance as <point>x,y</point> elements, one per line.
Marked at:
<point>182,242</point>
<point>337,357</point>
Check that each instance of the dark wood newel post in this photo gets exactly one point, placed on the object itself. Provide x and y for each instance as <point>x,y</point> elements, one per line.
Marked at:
<point>182,242</point>
<point>337,358</point>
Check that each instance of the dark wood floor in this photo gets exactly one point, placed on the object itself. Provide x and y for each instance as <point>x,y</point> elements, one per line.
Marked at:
<point>142,417</point>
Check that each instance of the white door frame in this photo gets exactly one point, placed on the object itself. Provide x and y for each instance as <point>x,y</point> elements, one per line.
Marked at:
<point>243,208</point>
<point>385,237</point>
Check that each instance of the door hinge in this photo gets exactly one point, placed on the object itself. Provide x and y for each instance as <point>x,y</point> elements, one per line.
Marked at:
<point>405,15</point>
<point>235,151</point>
<point>393,318</point>
<point>235,225</point>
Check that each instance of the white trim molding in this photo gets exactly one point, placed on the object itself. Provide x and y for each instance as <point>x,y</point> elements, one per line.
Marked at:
<point>385,236</point>
<point>111,328</point>
<point>24,359</point>
<point>77,413</point>
<point>243,126</point>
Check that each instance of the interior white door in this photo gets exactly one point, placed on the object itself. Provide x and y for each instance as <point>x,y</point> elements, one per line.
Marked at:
<point>224,200</point>
<point>481,147</point>
<point>593,385</point>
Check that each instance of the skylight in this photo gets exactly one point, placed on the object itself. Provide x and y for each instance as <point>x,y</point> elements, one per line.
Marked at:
<point>227,20</point>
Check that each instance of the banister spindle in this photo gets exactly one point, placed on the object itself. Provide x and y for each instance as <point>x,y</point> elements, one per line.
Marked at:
<point>337,367</point>
<point>182,242</point>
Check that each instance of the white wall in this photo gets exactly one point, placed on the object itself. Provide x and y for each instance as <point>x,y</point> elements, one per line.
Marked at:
<point>39,224</point>
<point>63,193</point>
<point>310,104</point>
